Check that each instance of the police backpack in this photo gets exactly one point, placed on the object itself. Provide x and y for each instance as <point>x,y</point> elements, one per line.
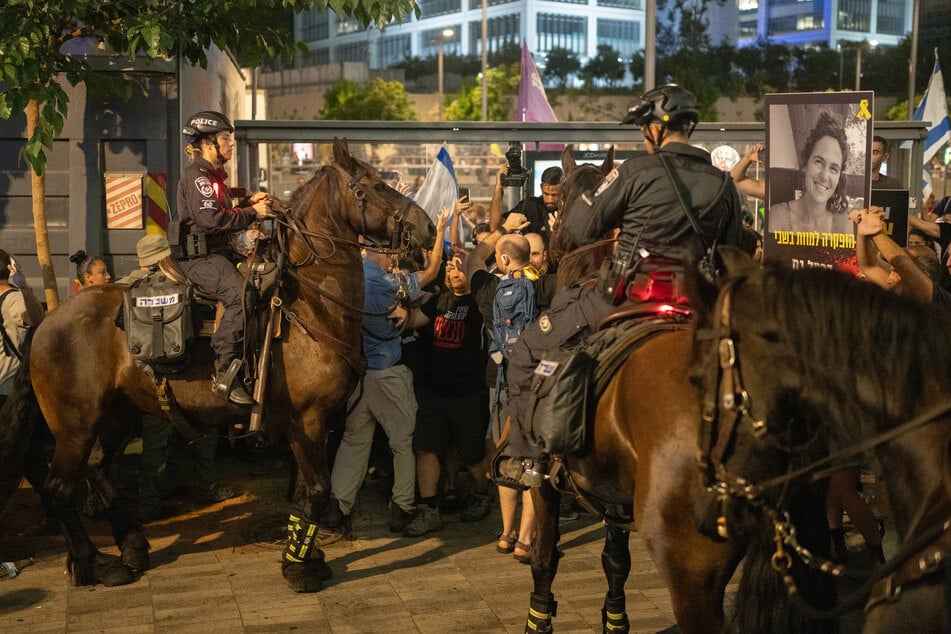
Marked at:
<point>157,318</point>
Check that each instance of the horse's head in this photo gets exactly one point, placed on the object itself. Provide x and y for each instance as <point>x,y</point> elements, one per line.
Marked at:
<point>755,424</point>
<point>351,199</point>
<point>384,216</point>
<point>577,179</point>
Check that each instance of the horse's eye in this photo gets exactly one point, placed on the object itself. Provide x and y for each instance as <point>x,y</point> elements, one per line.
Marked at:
<point>771,336</point>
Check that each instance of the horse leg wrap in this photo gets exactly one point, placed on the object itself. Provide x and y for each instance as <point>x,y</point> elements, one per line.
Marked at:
<point>541,609</point>
<point>614,616</point>
<point>301,533</point>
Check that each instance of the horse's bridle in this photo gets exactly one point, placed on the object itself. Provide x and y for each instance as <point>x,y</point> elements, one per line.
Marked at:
<point>399,239</point>
<point>726,404</point>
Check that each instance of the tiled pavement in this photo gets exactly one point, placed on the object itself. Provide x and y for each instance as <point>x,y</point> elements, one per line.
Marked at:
<point>216,569</point>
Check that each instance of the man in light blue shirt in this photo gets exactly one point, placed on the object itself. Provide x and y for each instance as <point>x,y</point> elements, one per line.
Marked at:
<point>387,389</point>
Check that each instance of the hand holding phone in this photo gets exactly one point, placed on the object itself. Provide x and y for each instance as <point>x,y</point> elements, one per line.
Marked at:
<point>464,191</point>
<point>17,278</point>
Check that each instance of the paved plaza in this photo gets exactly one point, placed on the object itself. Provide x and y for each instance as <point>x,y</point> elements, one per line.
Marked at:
<point>217,569</point>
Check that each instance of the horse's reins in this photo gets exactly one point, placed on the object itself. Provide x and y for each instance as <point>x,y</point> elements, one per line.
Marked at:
<point>727,389</point>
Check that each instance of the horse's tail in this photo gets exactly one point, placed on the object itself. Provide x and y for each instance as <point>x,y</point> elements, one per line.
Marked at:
<point>762,602</point>
<point>18,418</point>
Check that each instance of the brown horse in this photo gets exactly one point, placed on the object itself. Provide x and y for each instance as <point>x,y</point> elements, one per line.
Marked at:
<point>82,375</point>
<point>639,471</point>
<point>799,361</point>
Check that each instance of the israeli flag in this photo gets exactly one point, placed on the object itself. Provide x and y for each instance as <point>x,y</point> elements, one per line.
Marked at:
<point>933,108</point>
<point>440,188</point>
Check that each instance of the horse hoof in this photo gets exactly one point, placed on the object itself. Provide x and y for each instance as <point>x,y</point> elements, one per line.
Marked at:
<point>137,559</point>
<point>306,577</point>
<point>135,552</point>
<point>108,570</point>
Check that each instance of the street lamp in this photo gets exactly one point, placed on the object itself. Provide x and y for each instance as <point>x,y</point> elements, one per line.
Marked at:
<point>841,64</point>
<point>446,34</point>
<point>858,60</point>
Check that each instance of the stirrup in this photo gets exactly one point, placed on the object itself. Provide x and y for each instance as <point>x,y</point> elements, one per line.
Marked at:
<point>222,381</point>
<point>518,474</point>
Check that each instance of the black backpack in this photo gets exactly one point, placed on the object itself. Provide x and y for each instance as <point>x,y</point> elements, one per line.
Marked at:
<point>158,320</point>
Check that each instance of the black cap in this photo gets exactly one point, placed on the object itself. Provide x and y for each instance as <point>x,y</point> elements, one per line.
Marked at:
<point>207,122</point>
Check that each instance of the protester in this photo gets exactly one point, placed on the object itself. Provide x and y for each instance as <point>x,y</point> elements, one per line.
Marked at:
<point>90,270</point>
<point>744,184</point>
<point>387,396</point>
<point>453,404</point>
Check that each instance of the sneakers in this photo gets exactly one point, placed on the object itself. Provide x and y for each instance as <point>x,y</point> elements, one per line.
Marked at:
<point>399,519</point>
<point>333,518</point>
<point>426,520</point>
<point>477,507</point>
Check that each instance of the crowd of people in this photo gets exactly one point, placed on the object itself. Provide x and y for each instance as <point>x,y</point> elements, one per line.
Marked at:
<point>451,363</point>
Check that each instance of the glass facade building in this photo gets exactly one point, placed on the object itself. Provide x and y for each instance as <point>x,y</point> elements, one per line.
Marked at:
<point>577,25</point>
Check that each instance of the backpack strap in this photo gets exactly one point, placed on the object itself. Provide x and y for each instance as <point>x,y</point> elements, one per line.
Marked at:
<point>9,348</point>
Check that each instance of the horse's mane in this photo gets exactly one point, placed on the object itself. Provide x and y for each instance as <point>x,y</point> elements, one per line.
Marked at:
<point>302,195</point>
<point>858,339</point>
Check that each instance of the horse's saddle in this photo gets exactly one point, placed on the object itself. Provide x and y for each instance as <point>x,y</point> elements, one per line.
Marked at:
<point>263,277</point>
<point>569,381</point>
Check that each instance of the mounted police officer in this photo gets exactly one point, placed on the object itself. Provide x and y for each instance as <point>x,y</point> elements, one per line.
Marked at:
<point>200,235</point>
<point>668,202</point>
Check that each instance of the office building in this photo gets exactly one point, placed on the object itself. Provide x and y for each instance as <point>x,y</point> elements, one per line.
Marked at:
<point>577,25</point>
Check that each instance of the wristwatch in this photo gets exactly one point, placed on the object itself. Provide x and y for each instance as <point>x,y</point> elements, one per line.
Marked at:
<point>502,230</point>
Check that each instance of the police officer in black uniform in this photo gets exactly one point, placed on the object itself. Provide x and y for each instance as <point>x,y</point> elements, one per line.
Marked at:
<point>640,197</point>
<point>200,237</point>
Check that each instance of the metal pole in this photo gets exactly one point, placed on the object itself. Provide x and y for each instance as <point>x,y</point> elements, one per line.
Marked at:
<point>650,37</point>
<point>858,66</point>
<point>439,71</point>
<point>485,60</point>
<point>841,64</point>
<point>913,59</point>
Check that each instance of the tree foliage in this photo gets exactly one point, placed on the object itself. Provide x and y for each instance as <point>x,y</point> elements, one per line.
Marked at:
<point>561,63</point>
<point>33,34</point>
<point>378,101</point>
<point>605,66</point>
<point>502,84</point>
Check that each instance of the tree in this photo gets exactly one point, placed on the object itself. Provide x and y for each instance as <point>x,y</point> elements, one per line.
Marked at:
<point>606,66</point>
<point>379,101</point>
<point>502,83</point>
<point>560,64</point>
<point>32,59</point>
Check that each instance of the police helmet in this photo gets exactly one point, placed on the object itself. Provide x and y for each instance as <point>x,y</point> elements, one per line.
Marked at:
<point>670,103</point>
<point>206,122</point>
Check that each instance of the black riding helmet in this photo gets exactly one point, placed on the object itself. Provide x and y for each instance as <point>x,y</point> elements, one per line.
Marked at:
<point>206,122</point>
<point>670,103</point>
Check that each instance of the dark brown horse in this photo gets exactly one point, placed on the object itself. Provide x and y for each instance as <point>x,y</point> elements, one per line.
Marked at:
<point>799,361</point>
<point>639,470</point>
<point>82,375</point>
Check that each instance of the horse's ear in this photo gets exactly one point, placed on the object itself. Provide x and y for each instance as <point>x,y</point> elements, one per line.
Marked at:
<point>608,163</point>
<point>342,153</point>
<point>701,291</point>
<point>735,260</point>
<point>568,159</point>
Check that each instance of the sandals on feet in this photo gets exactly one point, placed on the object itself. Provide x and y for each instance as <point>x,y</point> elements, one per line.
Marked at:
<point>509,542</point>
<point>527,557</point>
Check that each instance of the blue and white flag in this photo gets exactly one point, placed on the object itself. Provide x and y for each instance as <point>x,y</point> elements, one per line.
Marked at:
<point>934,109</point>
<point>439,189</point>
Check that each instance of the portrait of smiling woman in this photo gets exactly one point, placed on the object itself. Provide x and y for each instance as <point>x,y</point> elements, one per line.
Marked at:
<point>822,204</point>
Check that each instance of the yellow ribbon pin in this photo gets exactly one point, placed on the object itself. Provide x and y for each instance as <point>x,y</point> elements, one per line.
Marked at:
<point>864,112</point>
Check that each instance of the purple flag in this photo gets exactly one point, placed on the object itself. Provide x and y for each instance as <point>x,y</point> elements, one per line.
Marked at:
<point>532,103</point>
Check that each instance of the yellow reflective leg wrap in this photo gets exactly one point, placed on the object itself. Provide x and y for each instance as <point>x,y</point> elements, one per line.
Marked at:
<point>300,539</point>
